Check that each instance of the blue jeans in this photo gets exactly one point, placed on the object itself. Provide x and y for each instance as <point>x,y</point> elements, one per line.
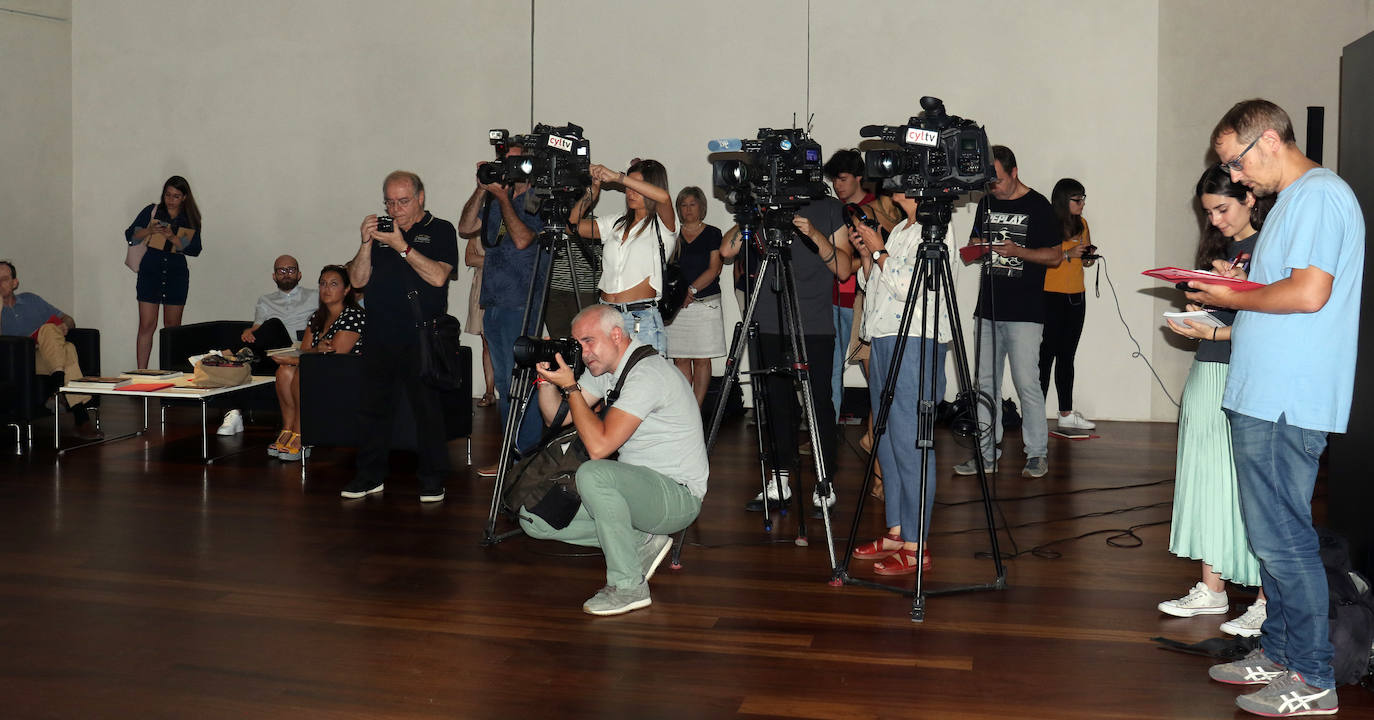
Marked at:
<point>1019,344</point>
<point>501,325</point>
<point>1276,470</point>
<point>897,451</point>
<point>843,318</point>
<point>646,326</point>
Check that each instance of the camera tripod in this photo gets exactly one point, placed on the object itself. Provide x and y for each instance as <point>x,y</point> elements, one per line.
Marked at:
<point>552,239</point>
<point>776,252</point>
<point>933,280</point>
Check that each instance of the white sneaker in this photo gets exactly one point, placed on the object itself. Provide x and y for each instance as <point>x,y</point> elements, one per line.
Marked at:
<point>1075,421</point>
<point>783,478</point>
<point>232,425</point>
<point>1199,601</point>
<point>1248,624</point>
<point>829,501</point>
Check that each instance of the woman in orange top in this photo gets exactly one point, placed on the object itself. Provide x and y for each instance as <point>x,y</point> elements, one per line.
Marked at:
<point>1064,302</point>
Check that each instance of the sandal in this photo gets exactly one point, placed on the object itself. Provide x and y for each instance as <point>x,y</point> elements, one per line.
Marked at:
<point>875,550</point>
<point>877,489</point>
<point>275,449</point>
<point>488,399</point>
<point>291,451</point>
<point>902,562</point>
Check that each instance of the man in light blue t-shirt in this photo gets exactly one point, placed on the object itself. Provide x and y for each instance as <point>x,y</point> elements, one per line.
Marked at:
<point>1291,381</point>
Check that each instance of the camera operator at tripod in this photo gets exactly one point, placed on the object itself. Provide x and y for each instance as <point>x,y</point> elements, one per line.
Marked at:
<point>497,215</point>
<point>633,247</point>
<point>885,278</point>
<point>821,255</point>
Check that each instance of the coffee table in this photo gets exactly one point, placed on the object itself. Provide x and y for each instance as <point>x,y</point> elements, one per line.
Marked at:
<point>181,390</point>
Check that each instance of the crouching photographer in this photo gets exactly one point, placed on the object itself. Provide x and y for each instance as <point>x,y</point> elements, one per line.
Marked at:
<point>629,506</point>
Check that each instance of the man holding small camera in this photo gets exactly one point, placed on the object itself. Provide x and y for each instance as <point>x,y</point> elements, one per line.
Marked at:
<point>511,256</point>
<point>404,261</point>
<point>1022,228</point>
<point>630,506</point>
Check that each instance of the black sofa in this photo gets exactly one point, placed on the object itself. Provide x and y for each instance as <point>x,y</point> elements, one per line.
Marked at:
<point>329,405</point>
<point>23,391</point>
<point>177,344</point>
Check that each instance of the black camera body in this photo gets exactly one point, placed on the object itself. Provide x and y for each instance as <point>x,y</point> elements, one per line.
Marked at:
<point>495,172</point>
<point>781,169</point>
<point>385,223</point>
<point>938,156</point>
<point>530,351</point>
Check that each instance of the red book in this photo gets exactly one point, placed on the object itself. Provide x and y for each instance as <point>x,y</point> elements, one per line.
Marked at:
<point>969,253</point>
<point>145,387</point>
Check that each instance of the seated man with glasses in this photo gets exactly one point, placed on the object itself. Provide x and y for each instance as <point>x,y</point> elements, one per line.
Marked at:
<point>278,321</point>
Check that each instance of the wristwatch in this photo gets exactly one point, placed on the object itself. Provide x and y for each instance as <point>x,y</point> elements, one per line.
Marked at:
<point>879,253</point>
<point>691,290</point>
<point>569,389</point>
<point>405,252</point>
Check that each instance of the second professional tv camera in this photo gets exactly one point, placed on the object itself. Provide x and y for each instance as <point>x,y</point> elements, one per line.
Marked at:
<point>779,173</point>
<point>555,161</point>
<point>938,156</point>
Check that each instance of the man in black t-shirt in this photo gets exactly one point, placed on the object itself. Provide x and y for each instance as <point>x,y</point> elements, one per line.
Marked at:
<point>820,253</point>
<point>1020,223</point>
<point>416,255</point>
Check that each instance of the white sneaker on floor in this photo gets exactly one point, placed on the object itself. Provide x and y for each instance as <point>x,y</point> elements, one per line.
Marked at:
<point>1199,601</point>
<point>1075,421</point>
<point>816,497</point>
<point>1248,624</point>
<point>232,425</point>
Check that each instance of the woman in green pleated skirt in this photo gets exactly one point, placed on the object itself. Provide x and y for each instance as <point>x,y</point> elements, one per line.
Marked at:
<point>1207,525</point>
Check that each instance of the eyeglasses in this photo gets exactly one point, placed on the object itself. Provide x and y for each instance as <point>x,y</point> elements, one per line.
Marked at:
<point>1234,165</point>
<point>400,202</point>
<point>1077,198</point>
<point>289,270</point>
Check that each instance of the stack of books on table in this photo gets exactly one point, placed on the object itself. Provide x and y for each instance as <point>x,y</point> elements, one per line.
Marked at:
<point>154,374</point>
<point>99,383</point>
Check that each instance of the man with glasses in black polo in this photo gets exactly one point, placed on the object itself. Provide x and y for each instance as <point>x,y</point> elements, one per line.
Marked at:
<point>279,320</point>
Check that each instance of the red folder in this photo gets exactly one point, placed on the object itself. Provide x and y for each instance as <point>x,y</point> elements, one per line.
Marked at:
<point>145,387</point>
<point>1178,275</point>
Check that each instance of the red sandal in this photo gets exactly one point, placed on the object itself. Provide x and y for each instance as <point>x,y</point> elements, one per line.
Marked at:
<point>902,562</point>
<point>875,550</point>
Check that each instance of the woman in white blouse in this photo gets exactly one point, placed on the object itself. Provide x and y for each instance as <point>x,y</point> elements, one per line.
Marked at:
<point>886,277</point>
<point>632,271</point>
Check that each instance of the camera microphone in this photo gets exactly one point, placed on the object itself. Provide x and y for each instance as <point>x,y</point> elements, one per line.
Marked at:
<point>871,131</point>
<point>725,145</point>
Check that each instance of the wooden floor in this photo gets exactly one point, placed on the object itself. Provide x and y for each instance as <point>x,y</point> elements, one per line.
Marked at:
<point>137,583</point>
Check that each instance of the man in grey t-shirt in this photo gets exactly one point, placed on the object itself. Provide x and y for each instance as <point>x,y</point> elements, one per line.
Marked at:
<point>630,506</point>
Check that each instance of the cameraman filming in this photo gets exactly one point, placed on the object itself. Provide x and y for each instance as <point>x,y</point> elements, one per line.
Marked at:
<point>508,235</point>
<point>822,255</point>
<point>630,506</point>
<point>415,255</point>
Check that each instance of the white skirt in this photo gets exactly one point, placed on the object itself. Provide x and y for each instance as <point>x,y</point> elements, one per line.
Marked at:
<point>698,331</point>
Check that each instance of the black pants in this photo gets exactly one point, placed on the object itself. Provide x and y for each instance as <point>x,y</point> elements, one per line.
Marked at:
<point>1064,314</point>
<point>271,335</point>
<point>389,372</point>
<point>563,307</point>
<point>784,412</point>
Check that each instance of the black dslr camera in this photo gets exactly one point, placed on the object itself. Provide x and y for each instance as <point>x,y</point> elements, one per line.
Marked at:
<point>938,156</point>
<point>530,351</point>
<point>385,223</point>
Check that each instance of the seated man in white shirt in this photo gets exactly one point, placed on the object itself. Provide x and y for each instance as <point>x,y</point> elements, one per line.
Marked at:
<point>279,320</point>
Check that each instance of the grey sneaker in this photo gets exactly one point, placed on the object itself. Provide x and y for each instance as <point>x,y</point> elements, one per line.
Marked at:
<point>970,466</point>
<point>615,601</point>
<point>652,552</point>
<point>1253,669</point>
<point>1036,467</point>
<point>1249,623</point>
<point>1288,695</point>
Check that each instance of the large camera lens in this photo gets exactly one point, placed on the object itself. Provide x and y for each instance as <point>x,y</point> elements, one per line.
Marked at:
<point>728,174</point>
<point>889,163</point>
<point>530,351</point>
<point>492,172</point>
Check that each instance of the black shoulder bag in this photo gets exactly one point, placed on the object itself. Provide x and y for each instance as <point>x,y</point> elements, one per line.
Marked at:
<point>545,483</point>
<point>441,345</point>
<point>674,286</point>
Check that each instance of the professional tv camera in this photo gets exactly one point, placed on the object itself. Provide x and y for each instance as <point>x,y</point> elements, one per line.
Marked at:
<point>779,173</point>
<point>938,156</point>
<point>555,161</point>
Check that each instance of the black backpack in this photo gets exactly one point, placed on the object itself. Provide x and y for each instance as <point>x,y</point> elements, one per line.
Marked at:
<point>1350,608</point>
